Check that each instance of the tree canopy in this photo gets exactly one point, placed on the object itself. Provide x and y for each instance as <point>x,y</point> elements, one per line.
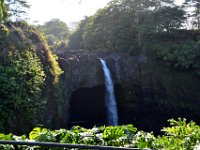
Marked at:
<point>142,26</point>
<point>56,32</point>
<point>122,24</point>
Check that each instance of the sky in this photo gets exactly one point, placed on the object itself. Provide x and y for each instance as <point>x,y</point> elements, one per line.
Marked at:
<point>69,11</point>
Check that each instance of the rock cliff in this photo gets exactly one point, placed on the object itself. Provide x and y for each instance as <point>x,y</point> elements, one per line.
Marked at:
<point>146,91</point>
<point>83,69</point>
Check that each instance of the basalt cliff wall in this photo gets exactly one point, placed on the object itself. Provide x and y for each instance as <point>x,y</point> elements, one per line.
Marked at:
<point>147,92</point>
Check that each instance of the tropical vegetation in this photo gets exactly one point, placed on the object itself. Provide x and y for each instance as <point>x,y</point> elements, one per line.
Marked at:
<point>30,73</point>
<point>56,33</point>
<point>25,71</point>
<point>158,29</point>
<point>180,135</point>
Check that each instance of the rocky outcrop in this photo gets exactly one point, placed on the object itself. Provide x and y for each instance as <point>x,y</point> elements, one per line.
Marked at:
<point>83,72</point>
<point>83,69</point>
<point>147,92</point>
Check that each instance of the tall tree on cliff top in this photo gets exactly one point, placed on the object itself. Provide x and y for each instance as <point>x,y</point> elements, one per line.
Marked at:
<point>169,18</point>
<point>97,33</point>
<point>76,38</point>
<point>56,31</point>
<point>121,24</point>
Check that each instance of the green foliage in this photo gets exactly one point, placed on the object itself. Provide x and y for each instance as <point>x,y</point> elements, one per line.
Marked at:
<point>20,90</point>
<point>76,38</point>
<point>44,135</point>
<point>3,31</point>
<point>56,31</point>
<point>169,18</point>
<point>119,135</point>
<point>184,55</point>
<point>29,78</point>
<point>144,27</point>
<point>179,136</point>
<point>144,140</point>
<point>51,90</point>
<point>123,24</point>
<point>11,137</point>
<point>55,70</point>
<point>50,65</point>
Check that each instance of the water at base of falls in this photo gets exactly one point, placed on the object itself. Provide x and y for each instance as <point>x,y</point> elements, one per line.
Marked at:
<point>111,105</point>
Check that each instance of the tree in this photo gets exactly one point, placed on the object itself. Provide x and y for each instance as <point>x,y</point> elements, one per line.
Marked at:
<point>56,31</point>
<point>120,25</point>
<point>76,38</point>
<point>124,24</point>
<point>169,18</point>
<point>20,90</point>
<point>97,33</point>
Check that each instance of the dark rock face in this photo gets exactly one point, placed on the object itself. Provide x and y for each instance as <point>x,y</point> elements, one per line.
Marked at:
<point>147,94</point>
<point>88,107</point>
<point>83,69</point>
<point>84,74</point>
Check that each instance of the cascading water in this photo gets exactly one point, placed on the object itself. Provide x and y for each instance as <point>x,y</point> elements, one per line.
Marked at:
<point>111,105</point>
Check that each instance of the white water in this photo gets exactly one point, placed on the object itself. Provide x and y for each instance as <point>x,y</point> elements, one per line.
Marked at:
<point>111,105</point>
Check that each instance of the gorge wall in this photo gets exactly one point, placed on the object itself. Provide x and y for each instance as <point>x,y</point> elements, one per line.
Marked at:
<point>147,93</point>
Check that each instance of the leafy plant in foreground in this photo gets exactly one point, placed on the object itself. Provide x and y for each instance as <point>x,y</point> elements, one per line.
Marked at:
<point>180,135</point>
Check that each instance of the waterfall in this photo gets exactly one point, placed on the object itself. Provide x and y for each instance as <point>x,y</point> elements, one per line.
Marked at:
<point>111,105</point>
